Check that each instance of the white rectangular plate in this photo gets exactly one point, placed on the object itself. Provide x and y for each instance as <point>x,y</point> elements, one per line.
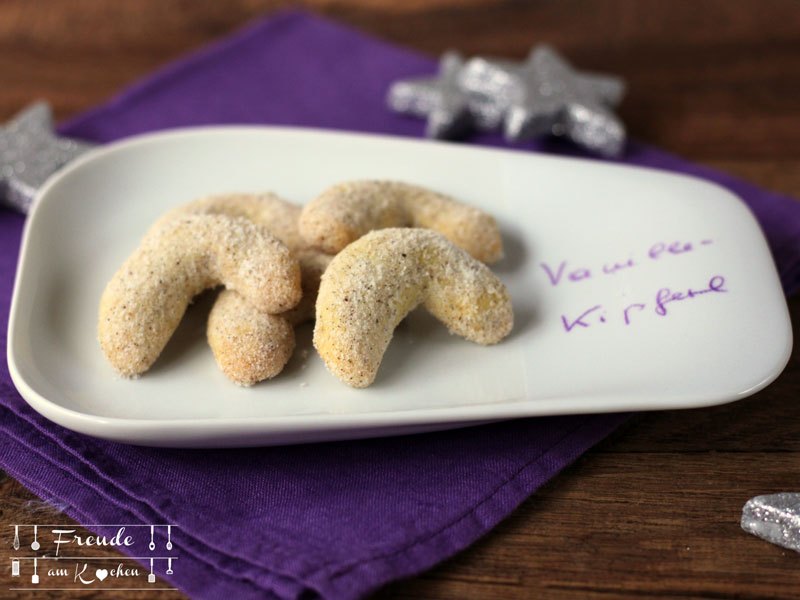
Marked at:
<point>633,289</point>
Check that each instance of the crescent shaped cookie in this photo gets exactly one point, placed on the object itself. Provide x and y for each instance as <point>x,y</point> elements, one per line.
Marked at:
<point>248,345</point>
<point>371,285</point>
<point>346,211</point>
<point>267,208</point>
<point>146,298</point>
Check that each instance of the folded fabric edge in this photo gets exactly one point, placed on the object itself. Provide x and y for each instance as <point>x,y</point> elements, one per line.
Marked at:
<point>290,565</point>
<point>286,562</point>
<point>368,573</point>
<point>362,577</point>
<point>283,585</point>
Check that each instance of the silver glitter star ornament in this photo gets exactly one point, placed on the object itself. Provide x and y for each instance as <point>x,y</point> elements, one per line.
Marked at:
<point>29,153</point>
<point>439,99</point>
<point>775,518</point>
<point>546,95</point>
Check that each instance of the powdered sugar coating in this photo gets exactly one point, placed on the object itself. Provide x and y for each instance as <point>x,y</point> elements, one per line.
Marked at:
<point>346,211</point>
<point>250,347</point>
<point>177,259</point>
<point>266,208</point>
<point>371,285</point>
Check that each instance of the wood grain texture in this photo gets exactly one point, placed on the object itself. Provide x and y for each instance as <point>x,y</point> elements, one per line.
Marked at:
<point>654,510</point>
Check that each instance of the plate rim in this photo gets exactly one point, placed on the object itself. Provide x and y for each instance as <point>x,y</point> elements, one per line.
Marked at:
<point>355,424</point>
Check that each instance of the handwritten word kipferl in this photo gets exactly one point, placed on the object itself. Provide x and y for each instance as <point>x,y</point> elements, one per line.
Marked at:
<point>665,295</point>
<point>598,314</point>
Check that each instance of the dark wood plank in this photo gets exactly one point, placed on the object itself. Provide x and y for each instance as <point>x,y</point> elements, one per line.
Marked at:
<point>708,78</point>
<point>654,510</point>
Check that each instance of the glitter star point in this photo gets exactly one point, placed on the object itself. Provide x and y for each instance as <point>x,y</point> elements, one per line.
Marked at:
<point>543,95</point>
<point>775,518</point>
<point>553,97</point>
<point>29,153</point>
<point>439,99</point>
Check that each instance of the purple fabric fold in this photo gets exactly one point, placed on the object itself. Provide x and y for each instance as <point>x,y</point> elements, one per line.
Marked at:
<point>332,520</point>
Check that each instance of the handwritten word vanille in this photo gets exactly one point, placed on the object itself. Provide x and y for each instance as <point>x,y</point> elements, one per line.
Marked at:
<point>565,272</point>
<point>597,314</point>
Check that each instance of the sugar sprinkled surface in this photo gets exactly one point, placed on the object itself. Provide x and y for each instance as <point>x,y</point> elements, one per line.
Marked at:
<point>376,281</point>
<point>248,346</point>
<point>346,211</point>
<point>177,259</point>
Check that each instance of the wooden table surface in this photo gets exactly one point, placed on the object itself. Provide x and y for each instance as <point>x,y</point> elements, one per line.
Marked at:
<point>653,510</point>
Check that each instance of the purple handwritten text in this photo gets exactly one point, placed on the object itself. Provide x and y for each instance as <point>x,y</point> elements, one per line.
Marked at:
<point>554,277</point>
<point>569,325</point>
<point>614,267</point>
<point>627,312</point>
<point>566,272</point>
<point>665,295</point>
<point>658,249</point>
<point>598,313</point>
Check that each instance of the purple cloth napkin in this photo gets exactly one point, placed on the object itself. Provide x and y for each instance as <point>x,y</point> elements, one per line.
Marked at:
<point>333,520</point>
